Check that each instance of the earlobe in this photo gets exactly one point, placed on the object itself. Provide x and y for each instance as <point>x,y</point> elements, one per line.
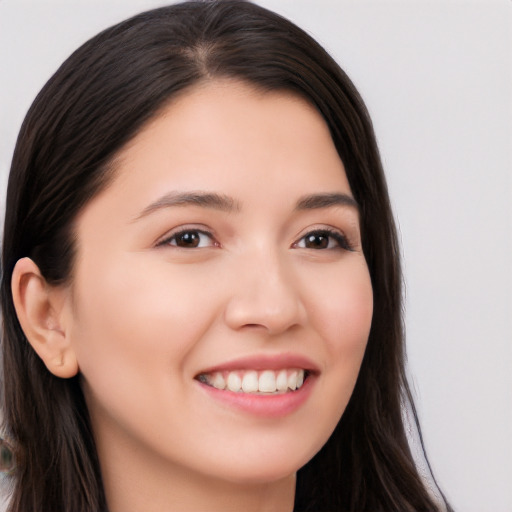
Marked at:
<point>40,310</point>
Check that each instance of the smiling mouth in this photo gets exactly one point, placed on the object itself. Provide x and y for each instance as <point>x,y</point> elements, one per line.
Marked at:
<point>264,382</point>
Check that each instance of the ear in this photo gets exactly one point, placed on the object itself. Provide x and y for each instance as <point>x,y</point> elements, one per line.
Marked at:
<point>40,309</point>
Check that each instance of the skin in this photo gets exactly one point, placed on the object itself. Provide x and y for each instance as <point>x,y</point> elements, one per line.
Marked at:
<point>143,316</point>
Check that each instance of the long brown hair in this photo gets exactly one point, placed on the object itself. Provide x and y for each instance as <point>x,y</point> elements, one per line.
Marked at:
<point>97,101</point>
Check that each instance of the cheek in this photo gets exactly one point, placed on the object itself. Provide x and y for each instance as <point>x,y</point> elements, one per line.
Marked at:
<point>131,314</point>
<point>343,316</point>
<point>344,309</point>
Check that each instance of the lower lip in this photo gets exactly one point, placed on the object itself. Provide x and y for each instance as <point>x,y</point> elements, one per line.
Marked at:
<point>271,406</point>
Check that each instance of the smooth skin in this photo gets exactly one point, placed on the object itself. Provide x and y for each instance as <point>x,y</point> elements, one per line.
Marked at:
<point>204,250</point>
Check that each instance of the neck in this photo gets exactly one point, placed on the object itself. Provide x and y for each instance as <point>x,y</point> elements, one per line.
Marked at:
<point>180,496</point>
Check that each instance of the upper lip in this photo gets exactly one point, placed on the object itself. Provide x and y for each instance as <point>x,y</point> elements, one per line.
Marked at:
<point>265,362</point>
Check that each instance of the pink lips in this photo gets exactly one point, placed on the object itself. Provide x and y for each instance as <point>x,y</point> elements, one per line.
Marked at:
<point>266,362</point>
<point>271,405</point>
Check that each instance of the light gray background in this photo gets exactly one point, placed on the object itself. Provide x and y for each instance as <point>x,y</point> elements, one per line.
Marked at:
<point>437,79</point>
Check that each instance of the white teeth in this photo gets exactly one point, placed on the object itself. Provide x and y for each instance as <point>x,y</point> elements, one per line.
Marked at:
<point>267,381</point>
<point>218,381</point>
<point>282,381</point>
<point>292,380</point>
<point>234,382</point>
<point>252,381</point>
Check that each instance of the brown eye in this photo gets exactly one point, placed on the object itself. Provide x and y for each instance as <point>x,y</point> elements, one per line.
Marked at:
<point>316,241</point>
<point>323,239</point>
<point>189,239</point>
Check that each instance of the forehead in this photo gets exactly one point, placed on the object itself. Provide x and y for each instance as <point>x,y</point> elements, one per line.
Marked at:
<point>225,126</point>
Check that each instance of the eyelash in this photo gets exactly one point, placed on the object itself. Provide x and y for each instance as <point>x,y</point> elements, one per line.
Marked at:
<point>339,238</point>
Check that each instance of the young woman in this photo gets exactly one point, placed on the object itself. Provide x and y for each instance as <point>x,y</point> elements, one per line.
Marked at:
<point>201,287</point>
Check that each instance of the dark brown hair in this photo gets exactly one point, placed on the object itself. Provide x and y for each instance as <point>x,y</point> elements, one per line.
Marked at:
<point>97,101</point>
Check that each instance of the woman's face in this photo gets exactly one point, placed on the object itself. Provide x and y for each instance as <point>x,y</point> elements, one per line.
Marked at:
<point>222,265</point>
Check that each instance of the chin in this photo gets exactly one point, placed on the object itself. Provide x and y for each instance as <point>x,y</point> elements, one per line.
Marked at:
<point>262,468</point>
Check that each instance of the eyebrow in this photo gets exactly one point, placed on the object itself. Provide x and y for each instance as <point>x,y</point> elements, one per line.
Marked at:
<point>203,199</point>
<point>225,203</point>
<point>318,201</point>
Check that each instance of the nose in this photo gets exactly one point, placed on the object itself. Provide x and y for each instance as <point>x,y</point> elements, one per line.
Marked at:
<point>265,295</point>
